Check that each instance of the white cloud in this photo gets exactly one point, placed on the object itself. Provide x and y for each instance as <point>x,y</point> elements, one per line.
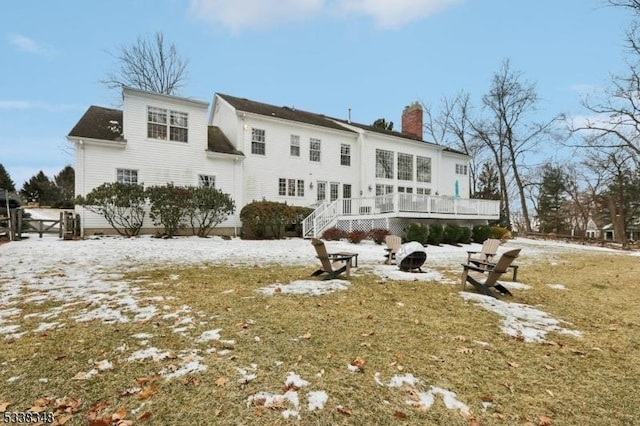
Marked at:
<point>393,14</point>
<point>29,45</point>
<point>238,15</point>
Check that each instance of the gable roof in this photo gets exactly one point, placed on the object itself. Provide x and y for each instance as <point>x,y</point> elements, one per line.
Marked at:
<point>99,123</point>
<point>285,113</point>
<point>218,142</point>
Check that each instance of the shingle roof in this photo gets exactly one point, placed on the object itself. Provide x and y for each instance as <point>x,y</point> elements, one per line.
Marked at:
<point>218,142</point>
<point>99,123</point>
<point>285,113</point>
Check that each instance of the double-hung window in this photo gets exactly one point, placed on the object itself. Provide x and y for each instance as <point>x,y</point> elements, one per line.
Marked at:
<point>294,148</point>
<point>423,169</point>
<point>165,124</point>
<point>207,180</point>
<point>314,150</point>
<point>258,142</point>
<point>345,154</point>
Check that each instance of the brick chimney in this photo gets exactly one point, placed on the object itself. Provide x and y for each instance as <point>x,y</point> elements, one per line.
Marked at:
<point>412,120</point>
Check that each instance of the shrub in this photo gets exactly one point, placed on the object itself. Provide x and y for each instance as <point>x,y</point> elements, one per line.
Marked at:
<point>121,204</point>
<point>500,233</point>
<point>378,234</point>
<point>169,205</point>
<point>465,235</point>
<point>206,208</point>
<point>299,213</point>
<point>480,233</point>
<point>435,234</point>
<point>334,234</point>
<point>264,216</point>
<point>356,236</point>
<point>417,232</point>
<point>451,233</point>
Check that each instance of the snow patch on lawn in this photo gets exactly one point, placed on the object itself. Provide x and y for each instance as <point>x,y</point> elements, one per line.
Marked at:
<point>306,287</point>
<point>392,272</point>
<point>520,320</point>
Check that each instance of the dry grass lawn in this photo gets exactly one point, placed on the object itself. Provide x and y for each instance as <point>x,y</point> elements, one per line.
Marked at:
<point>388,328</point>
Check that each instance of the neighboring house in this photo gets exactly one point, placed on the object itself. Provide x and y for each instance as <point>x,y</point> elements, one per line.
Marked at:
<point>357,176</point>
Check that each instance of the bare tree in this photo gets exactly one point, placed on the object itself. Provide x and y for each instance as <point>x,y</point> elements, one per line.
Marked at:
<point>150,65</point>
<point>450,126</point>
<point>508,134</point>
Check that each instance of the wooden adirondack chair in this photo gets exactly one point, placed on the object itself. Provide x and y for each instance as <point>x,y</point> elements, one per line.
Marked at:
<point>333,264</point>
<point>393,244</point>
<point>486,254</point>
<point>485,276</point>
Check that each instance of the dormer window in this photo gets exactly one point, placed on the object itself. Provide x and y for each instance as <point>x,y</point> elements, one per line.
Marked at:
<point>162,123</point>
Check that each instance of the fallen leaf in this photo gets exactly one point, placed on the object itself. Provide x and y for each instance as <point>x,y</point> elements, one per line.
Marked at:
<point>343,410</point>
<point>131,391</point>
<point>148,392</point>
<point>545,421</point>
<point>400,415</point>
<point>277,290</point>
<point>306,336</point>
<point>473,422</point>
<point>416,322</point>
<point>400,368</point>
<point>119,415</point>
<point>222,381</point>
<point>548,367</point>
<point>193,381</point>
<point>358,362</point>
<point>100,422</point>
<point>217,413</point>
<point>367,334</point>
<point>80,376</point>
<point>463,350</point>
<point>513,364</point>
<point>550,392</point>
<point>4,405</point>
<point>508,386</point>
<point>460,338</point>
<point>60,357</point>
<point>144,416</point>
<point>61,420</point>
<point>329,355</point>
<point>577,352</point>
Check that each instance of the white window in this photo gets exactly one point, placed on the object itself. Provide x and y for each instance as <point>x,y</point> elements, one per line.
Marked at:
<point>314,149</point>
<point>322,191</point>
<point>405,189</point>
<point>345,154</point>
<point>207,180</point>
<point>126,176</point>
<point>423,191</point>
<point>333,191</point>
<point>405,166</point>
<point>291,187</point>
<point>423,169</point>
<point>461,169</point>
<point>258,141</point>
<point>176,127</point>
<point>294,149</point>
<point>384,164</point>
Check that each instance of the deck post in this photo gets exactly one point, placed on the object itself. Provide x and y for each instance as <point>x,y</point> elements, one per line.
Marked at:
<point>60,230</point>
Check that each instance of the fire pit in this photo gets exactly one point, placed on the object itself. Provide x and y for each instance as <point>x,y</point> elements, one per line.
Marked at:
<point>411,256</point>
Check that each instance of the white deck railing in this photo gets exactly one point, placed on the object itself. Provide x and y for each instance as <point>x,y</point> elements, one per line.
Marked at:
<point>424,205</point>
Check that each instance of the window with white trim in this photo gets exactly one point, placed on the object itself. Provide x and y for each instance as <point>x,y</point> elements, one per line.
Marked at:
<point>423,191</point>
<point>207,180</point>
<point>290,187</point>
<point>314,149</point>
<point>461,169</point>
<point>345,154</point>
<point>405,189</point>
<point>126,176</point>
<point>405,166</point>
<point>384,164</point>
<point>294,148</point>
<point>162,123</point>
<point>258,141</point>
<point>423,169</point>
<point>321,191</point>
<point>333,191</point>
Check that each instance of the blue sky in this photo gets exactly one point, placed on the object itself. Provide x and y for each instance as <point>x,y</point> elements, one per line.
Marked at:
<point>325,56</point>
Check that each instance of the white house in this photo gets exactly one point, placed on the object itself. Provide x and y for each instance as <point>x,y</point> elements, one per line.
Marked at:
<point>357,176</point>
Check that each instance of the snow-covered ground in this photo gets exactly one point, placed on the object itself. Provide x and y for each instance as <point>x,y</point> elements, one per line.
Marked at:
<point>85,279</point>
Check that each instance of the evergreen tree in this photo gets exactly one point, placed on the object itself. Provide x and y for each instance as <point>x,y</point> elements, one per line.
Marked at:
<point>65,181</point>
<point>383,124</point>
<point>552,199</point>
<point>40,189</point>
<point>488,183</point>
<point>5,180</point>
